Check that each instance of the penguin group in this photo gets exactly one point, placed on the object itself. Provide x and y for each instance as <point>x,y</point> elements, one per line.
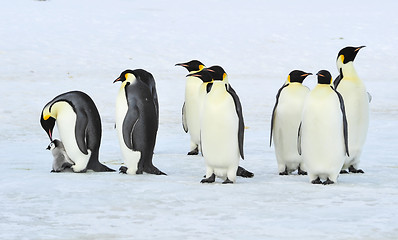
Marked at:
<point>318,132</point>
<point>321,132</point>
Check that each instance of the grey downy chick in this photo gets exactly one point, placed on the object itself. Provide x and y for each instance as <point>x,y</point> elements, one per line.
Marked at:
<point>61,159</point>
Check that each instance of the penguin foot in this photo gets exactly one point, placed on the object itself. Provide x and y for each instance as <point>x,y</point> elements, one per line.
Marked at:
<point>227,181</point>
<point>154,170</point>
<point>210,179</point>
<point>284,173</point>
<point>327,182</point>
<point>194,152</point>
<point>354,170</point>
<point>123,170</point>
<point>241,172</point>
<point>343,172</point>
<point>301,172</point>
<point>316,181</point>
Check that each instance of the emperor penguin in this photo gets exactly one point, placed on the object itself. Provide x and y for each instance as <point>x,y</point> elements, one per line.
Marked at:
<point>285,121</point>
<point>79,126</point>
<point>356,101</point>
<point>137,121</point>
<point>323,134</point>
<point>222,130</point>
<point>192,105</point>
<point>61,159</point>
<point>218,74</point>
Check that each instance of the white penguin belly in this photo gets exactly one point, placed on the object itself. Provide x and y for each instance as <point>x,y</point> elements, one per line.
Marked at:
<point>66,122</point>
<point>286,123</point>
<point>220,136</point>
<point>357,110</point>
<point>322,139</point>
<point>130,157</point>
<point>192,108</point>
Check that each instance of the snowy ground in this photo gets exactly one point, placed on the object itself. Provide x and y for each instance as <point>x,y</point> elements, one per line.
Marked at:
<point>50,47</point>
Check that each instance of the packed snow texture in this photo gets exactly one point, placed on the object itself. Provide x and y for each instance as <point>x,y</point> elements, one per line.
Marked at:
<point>50,47</point>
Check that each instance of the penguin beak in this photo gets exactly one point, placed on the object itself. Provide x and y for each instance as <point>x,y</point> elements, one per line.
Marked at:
<point>306,74</point>
<point>48,147</point>
<point>181,64</point>
<point>117,80</point>
<point>356,50</point>
<point>50,135</point>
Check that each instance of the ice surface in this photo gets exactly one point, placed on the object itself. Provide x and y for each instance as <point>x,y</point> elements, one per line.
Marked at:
<point>54,46</point>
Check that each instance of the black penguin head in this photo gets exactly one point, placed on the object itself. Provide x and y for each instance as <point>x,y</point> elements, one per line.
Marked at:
<point>123,75</point>
<point>205,76</point>
<point>348,54</point>
<point>217,73</point>
<point>192,66</point>
<point>297,76</point>
<point>53,144</point>
<point>47,123</point>
<point>324,77</point>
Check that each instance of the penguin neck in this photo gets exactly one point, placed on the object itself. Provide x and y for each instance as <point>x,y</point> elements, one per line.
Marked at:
<point>349,72</point>
<point>218,87</point>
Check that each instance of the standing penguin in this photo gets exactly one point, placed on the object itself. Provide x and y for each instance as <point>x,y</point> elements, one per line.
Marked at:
<point>79,127</point>
<point>356,101</point>
<point>137,121</point>
<point>218,74</point>
<point>61,159</point>
<point>192,105</point>
<point>285,121</point>
<point>323,135</point>
<point>222,130</point>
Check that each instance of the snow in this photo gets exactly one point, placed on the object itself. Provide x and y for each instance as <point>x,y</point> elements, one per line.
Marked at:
<point>50,47</point>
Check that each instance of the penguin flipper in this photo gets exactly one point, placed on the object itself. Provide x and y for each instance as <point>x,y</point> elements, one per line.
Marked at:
<point>345,124</point>
<point>337,81</point>
<point>81,131</point>
<point>299,139</point>
<point>238,107</point>
<point>184,119</point>
<point>273,111</point>
<point>129,123</point>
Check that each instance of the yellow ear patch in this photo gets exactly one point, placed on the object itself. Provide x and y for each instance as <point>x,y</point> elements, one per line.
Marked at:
<point>46,117</point>
<point>201,67</point>
<point>224,76</point>
<point>342,58</point>
<point>288,78</point>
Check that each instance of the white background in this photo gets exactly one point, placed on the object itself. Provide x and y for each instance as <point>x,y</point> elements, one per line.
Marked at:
<point>50,47</point>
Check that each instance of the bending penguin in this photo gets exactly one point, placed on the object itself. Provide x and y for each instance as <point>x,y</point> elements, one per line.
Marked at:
<point>61,159</point>
<point>222,130</point>
<point>323,134</point>
<point>192,105</point>
<point>285,121</point>
<point>79,127</point>
<point>356,101</point>
<point>137,121</point>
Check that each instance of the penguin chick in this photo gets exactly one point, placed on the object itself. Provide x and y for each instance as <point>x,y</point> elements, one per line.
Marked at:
<point>61,159</point>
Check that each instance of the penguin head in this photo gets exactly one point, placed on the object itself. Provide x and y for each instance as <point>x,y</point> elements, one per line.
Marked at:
<point>347,55</point>
<point>124,75</point>
<point>297,76</point>
<point>51,146</point>
<point>324,77</point>
<point>217,73</point>
<point>55,144</point>
<point>205,76</point>
<point>47,122</point>
<point>192,66</point>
